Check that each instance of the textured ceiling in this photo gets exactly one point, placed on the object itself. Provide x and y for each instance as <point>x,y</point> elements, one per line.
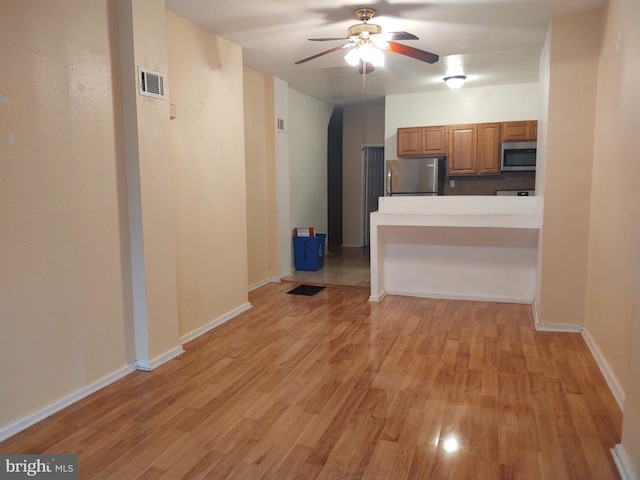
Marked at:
<point>492,42</point>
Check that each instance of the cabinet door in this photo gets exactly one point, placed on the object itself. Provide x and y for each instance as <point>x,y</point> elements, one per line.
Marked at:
<point>434,141</point>
<point>409,142</point>
<point>489,148</point>
<point>519,131</point>
<point>462,150</point>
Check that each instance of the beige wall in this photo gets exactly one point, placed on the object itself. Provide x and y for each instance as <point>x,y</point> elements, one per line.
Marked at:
<point>362,125</point>
<point>568,128</point>
<point>258,174</point>
<point>307,133</point>
<point>65,301</point>
<point>614,230</point>
<point>143,43</point>
<point>207,148</point>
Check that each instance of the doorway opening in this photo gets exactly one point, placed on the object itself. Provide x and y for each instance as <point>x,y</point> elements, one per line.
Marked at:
<point>373,188</point>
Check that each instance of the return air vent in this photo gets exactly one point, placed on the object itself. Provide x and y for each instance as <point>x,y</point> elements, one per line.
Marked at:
<point>152,84</point>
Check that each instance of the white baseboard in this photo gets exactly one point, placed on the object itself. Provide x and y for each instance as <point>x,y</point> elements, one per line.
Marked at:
<point>457,296</point>
<point>34,418</point>
<point>623,463</point>
<point>379,297</point>
<point>216,322</point>
<point>147,366</point>
<point>262,283</point>
<point>552,327</point>
<point>279,278</point>
<point>607,373</point>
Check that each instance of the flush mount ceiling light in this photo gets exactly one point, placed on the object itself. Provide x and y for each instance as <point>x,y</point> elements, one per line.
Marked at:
<point>455,81</point>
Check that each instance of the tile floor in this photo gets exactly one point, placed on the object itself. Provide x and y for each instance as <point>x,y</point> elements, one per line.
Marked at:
<point>342,266</point>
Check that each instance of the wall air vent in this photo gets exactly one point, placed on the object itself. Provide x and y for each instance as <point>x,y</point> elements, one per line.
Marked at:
<point>152,84</point>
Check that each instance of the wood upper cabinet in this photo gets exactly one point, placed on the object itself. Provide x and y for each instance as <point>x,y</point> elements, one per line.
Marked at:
<point>462,155</point>
<point>474,149</point>
<point>434,140</point>
<point>489,148</point>
<point>519,131</point>
<point>422,141</point>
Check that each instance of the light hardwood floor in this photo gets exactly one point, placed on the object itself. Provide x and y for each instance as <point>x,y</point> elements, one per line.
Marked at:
<point>333,387</point>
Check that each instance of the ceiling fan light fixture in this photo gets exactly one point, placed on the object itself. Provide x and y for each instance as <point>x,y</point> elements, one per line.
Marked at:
<point>352,57</point>
<point>366,53</point>
<point>455,81</point>
<point>370,54</point>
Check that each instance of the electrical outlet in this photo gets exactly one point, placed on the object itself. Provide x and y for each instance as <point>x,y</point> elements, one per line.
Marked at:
<point>452,183</point>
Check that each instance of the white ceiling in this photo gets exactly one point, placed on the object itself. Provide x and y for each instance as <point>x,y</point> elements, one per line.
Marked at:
<point>493,42</point>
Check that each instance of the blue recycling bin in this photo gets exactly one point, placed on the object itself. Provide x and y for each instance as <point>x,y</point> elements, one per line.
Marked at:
<point>309,252</point>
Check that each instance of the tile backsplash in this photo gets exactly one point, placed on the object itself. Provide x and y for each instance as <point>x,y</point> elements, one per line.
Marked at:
<point>488,184</point>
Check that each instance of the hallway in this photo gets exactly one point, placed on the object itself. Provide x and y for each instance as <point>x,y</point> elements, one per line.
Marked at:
<point>342,266</point>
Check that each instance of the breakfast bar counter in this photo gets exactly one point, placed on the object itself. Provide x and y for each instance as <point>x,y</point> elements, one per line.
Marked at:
<point>457,247</point>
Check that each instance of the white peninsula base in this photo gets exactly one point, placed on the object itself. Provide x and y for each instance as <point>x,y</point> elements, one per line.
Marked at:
<point>456,247</point>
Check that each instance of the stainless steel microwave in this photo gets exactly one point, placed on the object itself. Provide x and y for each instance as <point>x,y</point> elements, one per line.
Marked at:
<point>518,157</point>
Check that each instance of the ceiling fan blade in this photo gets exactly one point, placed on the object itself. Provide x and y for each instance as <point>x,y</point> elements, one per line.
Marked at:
<point>331,50</point>
<point>416,53</point>
<point>396,36</point>
<point>365,67</point>
<point>325,39</point>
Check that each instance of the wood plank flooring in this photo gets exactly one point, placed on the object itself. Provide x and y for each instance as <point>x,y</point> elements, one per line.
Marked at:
<point>335,387</point>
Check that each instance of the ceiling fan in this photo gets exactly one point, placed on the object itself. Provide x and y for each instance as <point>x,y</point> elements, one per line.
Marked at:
<point>367,42</point>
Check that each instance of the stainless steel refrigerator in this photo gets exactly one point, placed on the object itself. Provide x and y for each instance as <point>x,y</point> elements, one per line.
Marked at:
<point>416,176</point>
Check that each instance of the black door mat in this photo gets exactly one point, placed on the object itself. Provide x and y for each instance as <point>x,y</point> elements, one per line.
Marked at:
<point>308,290</point>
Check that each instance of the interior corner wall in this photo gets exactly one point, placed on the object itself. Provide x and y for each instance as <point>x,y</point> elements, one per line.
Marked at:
<point>207,149</point>
<point>282,174</point>
<point>568,131</point>
<point>308,132</point>
<point>541,153</point>
<point>630,442</point>
<point>612,313</point>
<point>257,177</point>
<point>362,125</point>
<point>143,35</point>
<point>614,229</point>
<point>65,287</point>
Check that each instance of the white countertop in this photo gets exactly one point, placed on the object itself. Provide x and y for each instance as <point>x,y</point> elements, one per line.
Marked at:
<point>467,247</point>
<point>461,211</point>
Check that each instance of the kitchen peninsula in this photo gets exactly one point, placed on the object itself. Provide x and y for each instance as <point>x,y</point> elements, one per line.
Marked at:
<point>457,247</point>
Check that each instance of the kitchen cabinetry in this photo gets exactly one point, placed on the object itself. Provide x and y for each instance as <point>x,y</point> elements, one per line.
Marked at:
<point>463,149</point>
<point>474,149</point>
<point>488,148</point>
<point>422,141</point>
<point>519,131</point>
